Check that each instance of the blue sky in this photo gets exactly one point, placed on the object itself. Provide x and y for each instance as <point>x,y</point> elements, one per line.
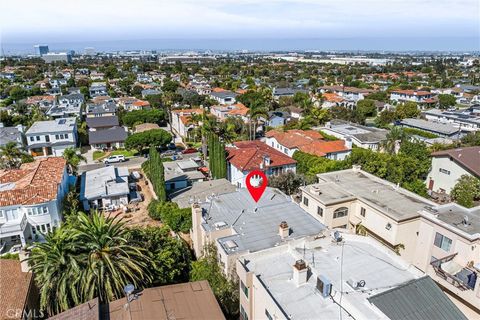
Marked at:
<point>31,21</point>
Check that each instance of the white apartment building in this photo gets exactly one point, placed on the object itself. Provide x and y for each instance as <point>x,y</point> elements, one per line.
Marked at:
<point>358,135</point>
<point>466,120</point>
<point>31,199</point>
<point>406,224</point>
<point>412,95</point>
<point>343,277</point>
<point>51,138</point>
<point>449,165</point>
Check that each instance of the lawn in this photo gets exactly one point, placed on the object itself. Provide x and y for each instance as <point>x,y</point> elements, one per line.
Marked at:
<point>99,155</point>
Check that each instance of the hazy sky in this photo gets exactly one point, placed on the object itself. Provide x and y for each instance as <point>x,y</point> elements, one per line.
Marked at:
<point>24,21</point>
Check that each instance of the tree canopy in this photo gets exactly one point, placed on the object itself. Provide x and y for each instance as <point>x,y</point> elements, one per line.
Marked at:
<point>149,138</point>
<point>143,116</point>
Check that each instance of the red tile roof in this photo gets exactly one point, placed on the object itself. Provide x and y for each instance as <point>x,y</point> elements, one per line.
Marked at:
<point>218,90</point>
<point>294,138</point>
<point>322,148</point>
<point>141,103</point>
<point>38,99</point>
<point>332,97</point>
<point>413,92</point>
<point>188,111</point>
<point>33,183</point>
<point>248,155</point>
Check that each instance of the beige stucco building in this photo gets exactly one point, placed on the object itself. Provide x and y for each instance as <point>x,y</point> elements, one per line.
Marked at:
<point>442,241</point>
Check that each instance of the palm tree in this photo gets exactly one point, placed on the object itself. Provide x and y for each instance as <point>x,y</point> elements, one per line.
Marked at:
<point>73,159</point>
<point>11,156</point>
<point>110,261</point>
<point>86,258</point>
<point>54,264</point>
<point>393,138</point>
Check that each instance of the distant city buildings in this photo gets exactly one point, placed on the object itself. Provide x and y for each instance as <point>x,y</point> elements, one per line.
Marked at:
<point>41,49</point>
<point>57,57</point>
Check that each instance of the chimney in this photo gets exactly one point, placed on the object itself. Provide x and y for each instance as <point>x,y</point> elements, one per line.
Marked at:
<point>300,272</point>
<point>266,160</point>
<point>348,143</point>
<point>283,230</point>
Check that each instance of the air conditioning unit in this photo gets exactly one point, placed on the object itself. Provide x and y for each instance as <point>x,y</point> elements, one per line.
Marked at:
<point>324,286</point>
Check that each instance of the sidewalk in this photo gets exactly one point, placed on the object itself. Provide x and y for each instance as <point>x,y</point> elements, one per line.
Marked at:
<point>89,156</point>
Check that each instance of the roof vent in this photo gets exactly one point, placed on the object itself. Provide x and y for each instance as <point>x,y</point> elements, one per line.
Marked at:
<point>300,272</point>
<point>356,285</point>
<point>465,221</point>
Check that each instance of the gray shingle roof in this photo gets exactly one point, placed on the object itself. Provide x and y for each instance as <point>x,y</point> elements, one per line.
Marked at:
<point>419,299</point>
<point>102,122</point>
<point>115,134</point>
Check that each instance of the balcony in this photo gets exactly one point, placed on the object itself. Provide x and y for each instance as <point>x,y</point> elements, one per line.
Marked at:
<point>13,227</point>
<point>464,278</point>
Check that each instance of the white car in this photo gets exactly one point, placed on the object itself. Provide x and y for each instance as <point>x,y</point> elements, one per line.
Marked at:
<point>15,249</point>
<point>114,159</point>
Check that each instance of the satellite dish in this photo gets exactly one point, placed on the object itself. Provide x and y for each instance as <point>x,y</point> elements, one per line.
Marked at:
<point>128,289</point>
<point>337,236</point>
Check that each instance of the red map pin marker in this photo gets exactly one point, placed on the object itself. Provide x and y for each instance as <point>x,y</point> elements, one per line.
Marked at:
<point>256,182</point>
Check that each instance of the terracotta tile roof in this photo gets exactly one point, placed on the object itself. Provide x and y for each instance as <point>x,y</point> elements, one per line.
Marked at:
<point>466,157</point>
<point>413,92</point>
<point>322,148</point>
<point>33,183</point>
<point>141,103</point>
<point>218,90</point>
<point>15,286</point>
<point>332,97</point>
<point>241,91</point>
<point>240,109</point>
<point>294,138</point>
<point>37,99</point>
<point>188,111</point>
<point>248,155</point>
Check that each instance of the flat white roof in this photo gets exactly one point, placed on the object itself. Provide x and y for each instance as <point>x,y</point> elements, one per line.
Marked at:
<point>358,259</point>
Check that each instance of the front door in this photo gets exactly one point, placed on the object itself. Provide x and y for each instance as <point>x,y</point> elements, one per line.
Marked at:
<point>430,184</point>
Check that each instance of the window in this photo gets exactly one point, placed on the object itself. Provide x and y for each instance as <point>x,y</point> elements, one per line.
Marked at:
<point>66,136</point>
<point>43,228</point>
<point>305,201</point>
<point>243,314</point>
<point>244,288</point>
<point>34,231</point>
<point>38,138</point>
<point>30,211</point>
<point>48,227</point>
<point>320,211</point>
<point>45,209</point>
<point>269,316</point>
<point>362,211</point>
<point>442,242</point>
<point>340,212</point>
<point>444,171</point>
<point>57,137</point>
<point>1,214</point>
<point>32,139</point>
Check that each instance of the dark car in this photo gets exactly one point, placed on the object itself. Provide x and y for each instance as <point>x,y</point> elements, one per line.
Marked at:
<point>189,150</point>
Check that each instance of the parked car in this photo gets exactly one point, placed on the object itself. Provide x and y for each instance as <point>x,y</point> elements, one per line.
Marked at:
<point>172,146</point>
<point>189,150</point>
<point>114,159</point>
<point>168,153</point>
<point>136,175</point>
<point>15,249</point>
